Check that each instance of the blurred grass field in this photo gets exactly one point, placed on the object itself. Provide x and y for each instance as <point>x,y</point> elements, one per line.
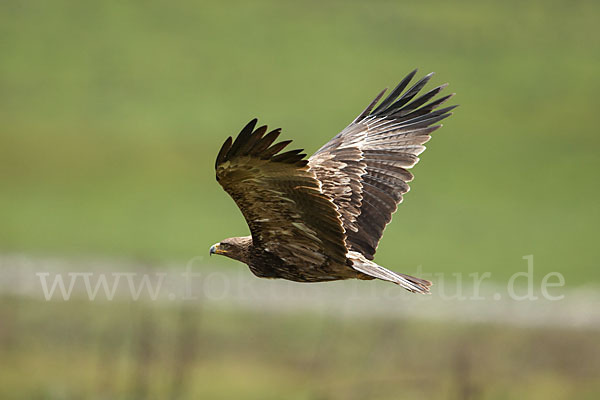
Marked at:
<point>112,114</point>
<point>136,351</point>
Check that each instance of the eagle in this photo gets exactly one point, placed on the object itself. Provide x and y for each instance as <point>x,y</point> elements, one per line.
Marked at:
<point>320,219</point>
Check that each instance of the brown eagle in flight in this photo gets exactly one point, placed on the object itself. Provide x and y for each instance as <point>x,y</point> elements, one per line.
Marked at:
<point>321,219</point>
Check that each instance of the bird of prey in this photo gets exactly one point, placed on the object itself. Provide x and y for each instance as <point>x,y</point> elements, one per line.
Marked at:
<point>321,219</point>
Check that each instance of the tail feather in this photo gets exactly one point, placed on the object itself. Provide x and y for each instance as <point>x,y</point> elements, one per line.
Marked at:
<point>410,283</point>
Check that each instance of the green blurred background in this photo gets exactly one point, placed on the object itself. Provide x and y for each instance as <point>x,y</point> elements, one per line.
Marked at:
<point>112,114</point>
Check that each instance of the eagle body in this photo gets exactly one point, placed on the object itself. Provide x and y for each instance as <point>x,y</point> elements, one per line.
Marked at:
<point>265,264</point>
<point>321,219</point>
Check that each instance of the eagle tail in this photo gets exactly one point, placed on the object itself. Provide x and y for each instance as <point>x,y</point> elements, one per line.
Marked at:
<point>367,267</point>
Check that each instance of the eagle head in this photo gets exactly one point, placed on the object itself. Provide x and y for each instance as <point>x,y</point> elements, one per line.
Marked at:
<point>236,247</point>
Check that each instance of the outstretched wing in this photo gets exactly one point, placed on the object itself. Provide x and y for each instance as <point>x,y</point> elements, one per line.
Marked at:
<point>364,169</point>
<point>280,198</point>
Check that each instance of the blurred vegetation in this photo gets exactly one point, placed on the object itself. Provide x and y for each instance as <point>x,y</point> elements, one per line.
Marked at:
<point>112,113</point>
<point>112,350</point>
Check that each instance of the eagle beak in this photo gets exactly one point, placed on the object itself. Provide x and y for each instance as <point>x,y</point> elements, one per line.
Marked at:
<point>213,249</point>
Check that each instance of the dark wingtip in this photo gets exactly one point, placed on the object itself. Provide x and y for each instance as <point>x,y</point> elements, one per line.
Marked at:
<point>243,136</point>
<point>265,141</point>
<point>274,149</point>
<point>223,152</point>
<point>248,128</point>
<point>368,109</point>
<point>394,93</point>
